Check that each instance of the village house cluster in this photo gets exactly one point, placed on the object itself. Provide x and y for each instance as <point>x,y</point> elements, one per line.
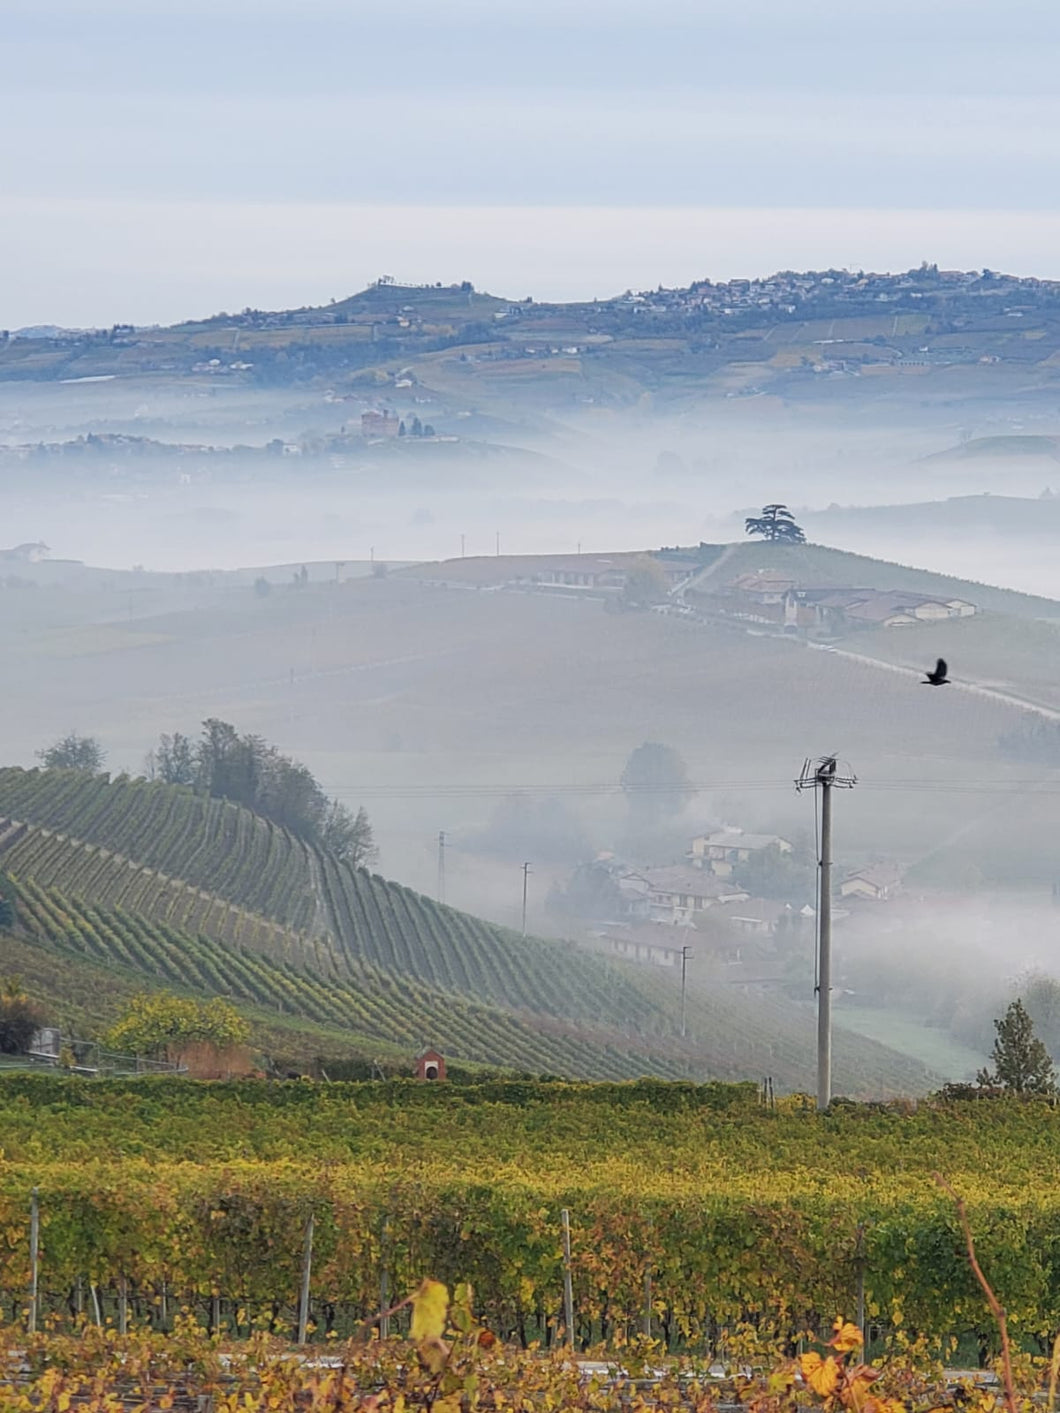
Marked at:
<point>699,909</point>
<point>767,596</point>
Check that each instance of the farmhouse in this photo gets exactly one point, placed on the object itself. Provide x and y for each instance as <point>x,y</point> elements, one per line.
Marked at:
<point>722,852</point>
<point>376,425</point>
<point>876,882</point>
<point>769,596</point>
<point>678,893</point>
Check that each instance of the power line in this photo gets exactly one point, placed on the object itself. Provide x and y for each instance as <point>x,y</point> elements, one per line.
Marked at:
<point>1011,786</point>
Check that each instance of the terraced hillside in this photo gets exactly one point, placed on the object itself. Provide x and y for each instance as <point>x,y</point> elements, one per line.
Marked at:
<point>252,864</point>
<point>422,973</point>
<point>371,1010</point>
<point>211,843</point>
<point>108,878</point>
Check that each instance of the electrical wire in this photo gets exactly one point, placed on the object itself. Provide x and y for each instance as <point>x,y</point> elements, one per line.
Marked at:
<point>456,791</point>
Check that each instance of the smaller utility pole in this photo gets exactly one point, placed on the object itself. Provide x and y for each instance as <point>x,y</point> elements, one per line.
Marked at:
<point>686,952</point>
<point>441,865</point>
<point>526,875</point>
<point>498,542</point>
<point>461,546</point>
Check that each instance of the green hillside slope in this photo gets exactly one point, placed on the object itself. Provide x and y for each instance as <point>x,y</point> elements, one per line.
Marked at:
<point>107,954</point>
<point>819,566</point>
<point>391,967</point>
<point>372,1010</point>
<point>211,843</point>
<point>253,864</point>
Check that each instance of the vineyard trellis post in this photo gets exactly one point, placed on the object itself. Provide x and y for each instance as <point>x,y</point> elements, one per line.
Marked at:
<point>384,1280</point>
<point>34,1258</point>
<point>123,1305</point>
<point>307,1267</point>
<point>568,1285</point>
<point>647,1303</point>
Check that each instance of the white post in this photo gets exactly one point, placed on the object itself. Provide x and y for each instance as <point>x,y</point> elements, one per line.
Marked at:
<point>384,1282</point>
<point>568,1287</point>
<point>307,1266</point>
<point>34,1258</point>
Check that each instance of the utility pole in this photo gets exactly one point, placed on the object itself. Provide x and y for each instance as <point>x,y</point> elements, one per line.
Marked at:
<point>498,542</point>
<point>823,775</point>
<point>461,546</point>
<point>441,865</point>
<point>686,952</point>
<point>526,875</point>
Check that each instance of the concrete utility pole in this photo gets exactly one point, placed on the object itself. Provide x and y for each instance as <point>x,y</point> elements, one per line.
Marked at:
<point>686,952</point>
<point>823,775</point>
<point>441,865</point>
<point>526,875</point>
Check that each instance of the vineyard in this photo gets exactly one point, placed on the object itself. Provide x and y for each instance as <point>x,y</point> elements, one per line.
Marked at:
<point>211,844</point>
<point>108,879</point>
<point>238,857</point>
<point>208,869</point>
<point>689,1206</point>
<point>451,1363</point>
<point>372,1006</point>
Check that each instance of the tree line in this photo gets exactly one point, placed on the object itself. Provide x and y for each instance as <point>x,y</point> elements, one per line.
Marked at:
<point>245,769</point>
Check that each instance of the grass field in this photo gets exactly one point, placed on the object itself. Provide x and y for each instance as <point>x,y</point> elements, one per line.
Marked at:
<point>932,1046</point>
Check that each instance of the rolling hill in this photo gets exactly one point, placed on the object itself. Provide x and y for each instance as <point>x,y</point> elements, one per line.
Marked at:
<point>384,971</point>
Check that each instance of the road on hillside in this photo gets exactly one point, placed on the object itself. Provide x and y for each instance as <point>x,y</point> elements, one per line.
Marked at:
<point>975,689</point>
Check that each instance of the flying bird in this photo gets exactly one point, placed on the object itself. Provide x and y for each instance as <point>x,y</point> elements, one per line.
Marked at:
<point>937,678</point>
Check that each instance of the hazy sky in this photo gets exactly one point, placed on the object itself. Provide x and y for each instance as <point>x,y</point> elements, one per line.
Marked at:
<point>182,156</point>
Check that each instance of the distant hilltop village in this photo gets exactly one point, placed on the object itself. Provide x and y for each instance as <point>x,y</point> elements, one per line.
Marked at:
<point>787,292</point>
<point>749,335</point>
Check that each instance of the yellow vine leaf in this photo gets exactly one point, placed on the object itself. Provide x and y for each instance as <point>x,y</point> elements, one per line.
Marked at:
<point>822,1375</point>
<point>429,1307</point>
<point>847,1336</point>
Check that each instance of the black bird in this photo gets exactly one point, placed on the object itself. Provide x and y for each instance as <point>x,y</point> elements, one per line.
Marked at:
<point>937,678</point>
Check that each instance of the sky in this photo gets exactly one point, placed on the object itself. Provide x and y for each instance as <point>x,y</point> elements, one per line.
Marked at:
<point>185,156</point>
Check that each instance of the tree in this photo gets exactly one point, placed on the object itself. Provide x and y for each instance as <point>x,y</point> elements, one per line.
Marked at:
<point>655,781</point>
<point>1041,998</point>
<point>776,523</point>
<point>1021,1062</point>
<point>646,583</point>
<point>162,1024</point>
<point>592,892</point>
<point>349,835</point>
<point>74,752</point>
<point>174,760</point>
<point>262,587</point>
<point>772,872</point>
<point>249,771</point>
<point>20,1018</point>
